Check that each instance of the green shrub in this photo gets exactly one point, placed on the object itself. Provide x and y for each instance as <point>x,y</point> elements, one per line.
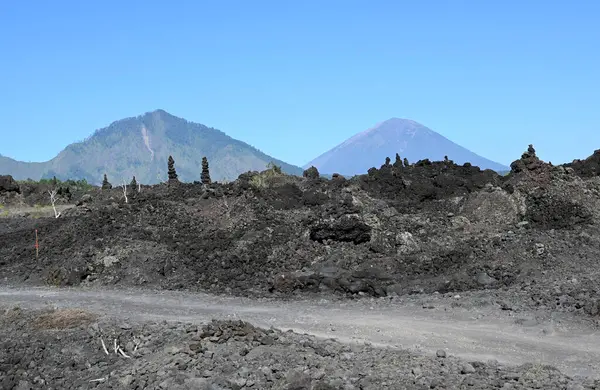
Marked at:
<point>269,177</point>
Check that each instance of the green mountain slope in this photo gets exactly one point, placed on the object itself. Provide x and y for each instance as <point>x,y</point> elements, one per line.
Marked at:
<point>140,146</point>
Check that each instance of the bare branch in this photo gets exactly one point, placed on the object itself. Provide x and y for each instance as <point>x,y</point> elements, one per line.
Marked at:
<point>104,346</point>
<point>53,201</point>
<point>137,343</point>
<point>123,353</point>
<point>124,188</point>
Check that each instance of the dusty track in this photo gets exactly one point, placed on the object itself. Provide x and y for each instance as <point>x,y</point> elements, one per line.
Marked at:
<point>479,334</point>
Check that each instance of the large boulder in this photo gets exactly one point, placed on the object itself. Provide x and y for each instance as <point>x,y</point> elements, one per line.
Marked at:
<point>345,229</point>
<point>311,173</point>
<point>8,184</point>
<point>589,167</point>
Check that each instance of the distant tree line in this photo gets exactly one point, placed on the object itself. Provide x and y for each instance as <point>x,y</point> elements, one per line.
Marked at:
<point>54,182</point>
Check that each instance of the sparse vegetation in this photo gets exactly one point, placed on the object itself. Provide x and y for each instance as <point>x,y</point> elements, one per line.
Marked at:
<point>64,319</point>
<point>276,168</point>
<point>70,184</point>
<point>35,212</point>
<point>268,177</point>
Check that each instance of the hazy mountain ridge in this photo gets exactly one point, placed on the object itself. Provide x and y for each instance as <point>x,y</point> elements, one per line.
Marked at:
<point>406,137</point>
<point>141,145</point>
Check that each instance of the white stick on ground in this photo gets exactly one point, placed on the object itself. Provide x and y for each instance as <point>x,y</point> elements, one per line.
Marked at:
<point>53,201</point>
<point>115,346</point>
<point>104,346</point>
<point>98,380</point>
<point>123,353</point>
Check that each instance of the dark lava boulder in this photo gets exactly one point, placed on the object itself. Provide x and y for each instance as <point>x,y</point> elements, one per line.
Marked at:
<point>425,181</point>
<point>345,229</point>
<point>550,212</point>
<point>311,173</point>
<point>589,167</point>
<point>8,184</point>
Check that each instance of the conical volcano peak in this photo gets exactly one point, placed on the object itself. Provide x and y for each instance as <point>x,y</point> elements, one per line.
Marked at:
<point>395,135</point>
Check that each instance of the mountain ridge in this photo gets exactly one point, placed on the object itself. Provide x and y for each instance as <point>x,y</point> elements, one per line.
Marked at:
<point>140,146</point>
<point>407,137</point>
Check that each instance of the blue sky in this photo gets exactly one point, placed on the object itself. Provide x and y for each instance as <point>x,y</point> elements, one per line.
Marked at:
<point>295,78</point>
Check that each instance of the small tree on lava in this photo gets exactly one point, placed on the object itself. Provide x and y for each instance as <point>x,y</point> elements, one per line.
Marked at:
<point>171,170</point>
<point>205,174</point>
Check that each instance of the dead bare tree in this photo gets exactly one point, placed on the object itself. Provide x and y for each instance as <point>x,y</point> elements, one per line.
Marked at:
<point>53,201</point>
<point>124,188</point>
<point>117,350</point>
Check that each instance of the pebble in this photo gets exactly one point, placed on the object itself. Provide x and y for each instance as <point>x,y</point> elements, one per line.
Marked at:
<point>467,368</point>
<point>126,380</point>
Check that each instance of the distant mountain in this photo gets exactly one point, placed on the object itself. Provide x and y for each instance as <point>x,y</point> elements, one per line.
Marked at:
<point>140,146</point>
<point>407,138</point>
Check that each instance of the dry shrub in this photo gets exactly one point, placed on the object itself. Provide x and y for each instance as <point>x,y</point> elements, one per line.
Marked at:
<point>271,177</point>
<point>12,313</point>
<point>64,318</point>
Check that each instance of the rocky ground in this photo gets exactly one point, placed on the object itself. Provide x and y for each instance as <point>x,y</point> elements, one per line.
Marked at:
<point>431,227</point>
<point>76,349</point>
<point>529,239</point>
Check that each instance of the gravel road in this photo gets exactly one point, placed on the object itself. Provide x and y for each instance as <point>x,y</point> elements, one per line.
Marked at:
<point>480,333</point>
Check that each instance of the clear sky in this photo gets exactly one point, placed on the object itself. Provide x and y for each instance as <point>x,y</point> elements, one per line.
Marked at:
<point>295,78</point>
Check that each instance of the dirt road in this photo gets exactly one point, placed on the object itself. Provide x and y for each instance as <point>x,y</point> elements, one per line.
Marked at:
<point>478,334</point>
